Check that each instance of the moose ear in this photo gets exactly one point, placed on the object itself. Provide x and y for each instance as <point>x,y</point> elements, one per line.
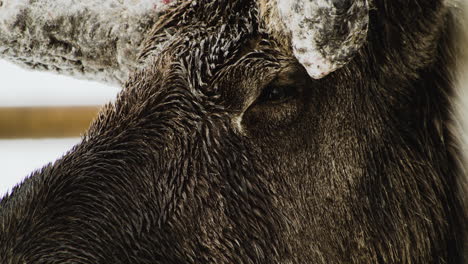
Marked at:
<point>91,39</point>
<point>324,34</point>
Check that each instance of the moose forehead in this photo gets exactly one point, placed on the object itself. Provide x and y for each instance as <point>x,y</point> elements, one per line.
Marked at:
<point>205,35</point>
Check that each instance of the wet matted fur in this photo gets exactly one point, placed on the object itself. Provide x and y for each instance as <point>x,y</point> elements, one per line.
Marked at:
<point>223,150</point>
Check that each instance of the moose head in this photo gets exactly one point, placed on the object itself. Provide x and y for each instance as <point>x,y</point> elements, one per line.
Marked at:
<point>302,131</point>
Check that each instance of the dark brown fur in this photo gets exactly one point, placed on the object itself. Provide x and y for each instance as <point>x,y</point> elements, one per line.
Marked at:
<point>191,165</point>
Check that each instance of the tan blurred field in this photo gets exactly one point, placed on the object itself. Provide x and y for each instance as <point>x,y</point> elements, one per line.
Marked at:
<point>45,122</point>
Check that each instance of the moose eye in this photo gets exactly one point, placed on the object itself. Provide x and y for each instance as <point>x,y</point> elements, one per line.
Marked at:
<point>278,93</point>
<point>279,102</point>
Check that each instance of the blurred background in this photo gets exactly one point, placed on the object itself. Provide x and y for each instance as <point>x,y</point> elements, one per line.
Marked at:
<point>42,115</point>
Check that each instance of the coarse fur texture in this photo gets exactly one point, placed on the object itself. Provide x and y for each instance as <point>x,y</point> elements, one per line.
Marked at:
<point>202,160</point>
<point>459,100</point>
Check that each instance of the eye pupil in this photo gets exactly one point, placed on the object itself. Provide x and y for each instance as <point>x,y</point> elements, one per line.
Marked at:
<point>277,93</point>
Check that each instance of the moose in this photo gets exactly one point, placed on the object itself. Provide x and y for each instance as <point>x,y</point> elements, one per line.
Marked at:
<point>247,131</point>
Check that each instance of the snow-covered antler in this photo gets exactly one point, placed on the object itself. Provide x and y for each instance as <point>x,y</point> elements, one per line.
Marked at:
<point>324,35</point>
<point>92,39</point>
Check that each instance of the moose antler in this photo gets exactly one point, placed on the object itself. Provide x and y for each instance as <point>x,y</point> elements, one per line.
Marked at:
<point>324,34</point>
<point>100,39</point>
<point>91,39</point>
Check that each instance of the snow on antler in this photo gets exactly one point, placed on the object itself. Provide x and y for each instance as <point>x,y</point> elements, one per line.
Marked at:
<point>92,39</point>
<point>324,35</point>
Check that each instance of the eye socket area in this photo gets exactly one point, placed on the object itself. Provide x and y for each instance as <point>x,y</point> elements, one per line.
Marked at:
<point>279,103</point>
<point>285,87</point>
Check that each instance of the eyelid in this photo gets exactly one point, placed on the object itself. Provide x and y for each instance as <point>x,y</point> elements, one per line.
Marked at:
<point>290,91</point>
